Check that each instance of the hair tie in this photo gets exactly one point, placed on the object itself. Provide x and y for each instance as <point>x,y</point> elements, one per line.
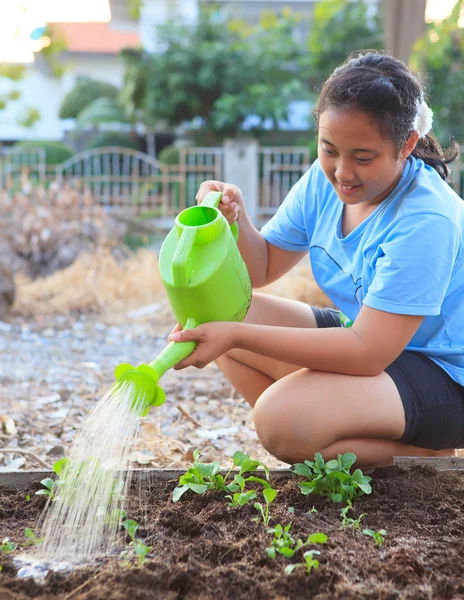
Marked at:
<point>423,119</point>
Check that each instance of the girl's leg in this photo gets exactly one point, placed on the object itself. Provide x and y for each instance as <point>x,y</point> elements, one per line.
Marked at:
<point>251,373</point>
<point>310,411</point>
<point>300,412</point>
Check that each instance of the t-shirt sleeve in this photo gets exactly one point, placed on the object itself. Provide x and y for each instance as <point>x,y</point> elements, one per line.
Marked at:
<point>287,228</point>
<point>414,266</point>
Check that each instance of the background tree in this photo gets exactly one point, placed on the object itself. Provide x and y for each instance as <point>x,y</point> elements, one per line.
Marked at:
<point>440,55</point>
<point>82,94</point>
<point>338,28</point>
<point>218,74</point>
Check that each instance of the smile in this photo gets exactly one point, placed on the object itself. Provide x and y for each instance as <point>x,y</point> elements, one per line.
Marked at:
<point>349,189</point>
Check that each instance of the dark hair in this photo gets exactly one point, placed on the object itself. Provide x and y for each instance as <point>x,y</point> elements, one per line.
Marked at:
<point>379,84</point>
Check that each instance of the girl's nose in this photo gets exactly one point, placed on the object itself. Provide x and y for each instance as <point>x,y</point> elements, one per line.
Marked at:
<point>344,172</point>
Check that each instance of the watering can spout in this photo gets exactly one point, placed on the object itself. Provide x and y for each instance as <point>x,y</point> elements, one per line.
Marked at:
<point>144,378</point>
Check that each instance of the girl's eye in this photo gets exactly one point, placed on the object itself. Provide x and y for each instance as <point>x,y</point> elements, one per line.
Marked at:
<point>329,152</point>
<point>364,161</point>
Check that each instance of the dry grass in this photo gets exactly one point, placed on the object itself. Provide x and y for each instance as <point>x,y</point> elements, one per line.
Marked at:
<point>95,282</point>
<point>99,283</point>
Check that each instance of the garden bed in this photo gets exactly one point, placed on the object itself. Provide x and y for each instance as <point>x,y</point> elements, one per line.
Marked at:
<point>204,549</point>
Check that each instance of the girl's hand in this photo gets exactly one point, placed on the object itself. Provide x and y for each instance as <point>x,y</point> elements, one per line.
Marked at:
<point>213,340</point>
<point>232,199</point>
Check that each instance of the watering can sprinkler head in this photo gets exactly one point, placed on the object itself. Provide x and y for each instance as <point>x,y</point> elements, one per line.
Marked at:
<point>145,381</point>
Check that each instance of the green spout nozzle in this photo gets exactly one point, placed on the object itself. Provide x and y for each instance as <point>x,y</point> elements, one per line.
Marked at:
<point>144,378</point>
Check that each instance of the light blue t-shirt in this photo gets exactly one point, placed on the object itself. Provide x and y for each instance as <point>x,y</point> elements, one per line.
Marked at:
<point>406,257</point>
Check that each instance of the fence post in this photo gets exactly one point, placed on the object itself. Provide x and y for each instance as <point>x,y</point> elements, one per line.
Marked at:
<point>241,167</point>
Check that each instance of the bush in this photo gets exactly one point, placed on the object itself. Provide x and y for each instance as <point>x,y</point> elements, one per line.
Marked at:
<point>113,138</point>
<point>82,94</point>
<point>55,152</point>
<point>169,155</point>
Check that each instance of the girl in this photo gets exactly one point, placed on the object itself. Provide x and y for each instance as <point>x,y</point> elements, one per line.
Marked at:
<point>382,376</point>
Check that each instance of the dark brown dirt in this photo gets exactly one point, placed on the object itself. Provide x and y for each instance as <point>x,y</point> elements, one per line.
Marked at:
<point>203,549</point>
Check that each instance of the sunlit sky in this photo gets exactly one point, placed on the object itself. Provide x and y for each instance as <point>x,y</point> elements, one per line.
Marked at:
<point>20,17</point>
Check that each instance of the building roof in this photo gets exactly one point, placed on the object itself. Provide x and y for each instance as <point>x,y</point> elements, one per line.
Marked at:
<point>96,37</point>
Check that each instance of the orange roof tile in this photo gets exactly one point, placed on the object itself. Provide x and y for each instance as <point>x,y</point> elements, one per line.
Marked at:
<point>96,37</point>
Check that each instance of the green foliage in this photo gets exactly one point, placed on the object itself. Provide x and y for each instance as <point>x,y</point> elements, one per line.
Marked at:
<point>309,561</point>
<point>113,138</point>
<point>284,544</point>
<point>139,548</point>
<point>55,152</point>
<point>269,497</point>
<point>349,522</point>
<point>333,478</point>
<point>440,54</point>
<point>377,536</point>
<point>204,477</point>
<point>82,94</point>
<point>7,546</point>
<point>51,54</point>
<point>217,75</point>
<point>338,28</point>
<point>169,155</point>
<point>32,540</point>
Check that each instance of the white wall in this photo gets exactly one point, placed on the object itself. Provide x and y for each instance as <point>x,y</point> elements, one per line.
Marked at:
<point>41,91</point>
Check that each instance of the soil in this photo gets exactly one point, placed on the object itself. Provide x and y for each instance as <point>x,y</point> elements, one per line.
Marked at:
<point>204,549</point>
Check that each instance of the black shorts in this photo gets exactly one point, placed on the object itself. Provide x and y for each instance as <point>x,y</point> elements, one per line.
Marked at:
<point>433,402</point>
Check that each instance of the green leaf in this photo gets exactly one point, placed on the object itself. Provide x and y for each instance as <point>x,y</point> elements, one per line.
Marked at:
<point>317,538</point>
<point>239,458</point>
<point>29,533</point>
<point>263,482</point>
<point>269,495</point>
<point>336,497</point>
<point>302,469</point>
<point>290,568</point>
<point>198,488</point>
<point>287,552</point>
<point>179,492</point>
<point>60,465</point>
<point>318,461</point>
<point>271,553</point>
<point>130,526</point>
<point>48,483</point>
<point>348,459</point>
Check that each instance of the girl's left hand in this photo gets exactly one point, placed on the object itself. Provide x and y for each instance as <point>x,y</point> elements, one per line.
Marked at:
<point>213,340</point>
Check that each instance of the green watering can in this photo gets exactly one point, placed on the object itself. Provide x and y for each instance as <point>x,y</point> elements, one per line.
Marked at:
<point>206,280</point>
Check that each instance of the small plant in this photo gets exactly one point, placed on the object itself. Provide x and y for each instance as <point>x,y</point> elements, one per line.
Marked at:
<point>140,549</point>
<point>333,478</point>
<point>8,546</point>
<point>349,522</point>
<point>378,536</point>
<point>203,477</point>
<point>31,538</point>
<point>60,467</point>
<point>269,496</point>
<point>284,544</point>
<point>309,561</point>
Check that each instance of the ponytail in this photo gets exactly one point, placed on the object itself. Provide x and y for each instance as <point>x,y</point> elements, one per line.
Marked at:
<point>429,150</point>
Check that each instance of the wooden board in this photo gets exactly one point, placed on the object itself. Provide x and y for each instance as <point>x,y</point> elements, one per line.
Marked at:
<point>448,463</point>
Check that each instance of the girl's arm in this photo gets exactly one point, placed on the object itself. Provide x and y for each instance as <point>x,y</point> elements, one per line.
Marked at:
<point>376,339</point>
<point>265,262</point>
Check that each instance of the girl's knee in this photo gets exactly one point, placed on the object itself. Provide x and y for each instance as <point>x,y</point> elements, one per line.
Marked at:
<point>279,433</point>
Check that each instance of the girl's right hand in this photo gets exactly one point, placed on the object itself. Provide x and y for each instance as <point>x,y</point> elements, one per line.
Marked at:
<point>232,199</point>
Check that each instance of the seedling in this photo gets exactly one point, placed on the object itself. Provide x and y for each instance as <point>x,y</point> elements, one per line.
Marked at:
<point>140,549</point>
<point>31,538</point>
<point>349,522</point>
<point>378,536</point>
<point>203,477</point>
<point>60,467</point>
<point>8,546</point>
<point>283,543</point>
<point>269,496</point>
<point>309,561</point>
<point>333,478</point>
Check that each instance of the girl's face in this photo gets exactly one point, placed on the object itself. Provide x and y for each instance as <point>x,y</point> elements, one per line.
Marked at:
<point>362,166</point>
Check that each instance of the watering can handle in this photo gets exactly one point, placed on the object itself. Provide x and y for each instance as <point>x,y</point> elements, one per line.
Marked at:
<point>213,199</point>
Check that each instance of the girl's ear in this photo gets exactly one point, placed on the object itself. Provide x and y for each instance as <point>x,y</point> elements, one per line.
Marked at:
<point>410,144</point>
